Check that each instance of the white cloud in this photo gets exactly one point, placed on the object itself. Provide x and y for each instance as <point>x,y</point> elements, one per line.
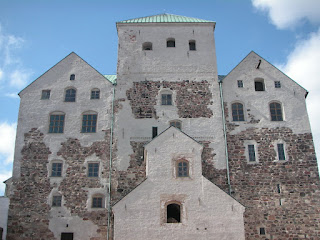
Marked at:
<point>1,74</point>
<point>19,78</point>
<point>287,13</point>
<point>4,175</point>
<point>303,66</point>
<point>7,141</point>
<point>12,95</point>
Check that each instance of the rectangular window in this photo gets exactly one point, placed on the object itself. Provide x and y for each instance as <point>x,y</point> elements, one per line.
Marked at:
<point>278,188</point>
<point>66,236</point>
<point>240,84</point>
<point>45,94</point>
<point>166,99</point>
<point>252,153</point>
<point>89,123</point>
<point>56,170</point>
<point>259,85</point>
<point>281,154</point>
<point>56,123</point>
<point>56,201</point>
<point>262,231</point>
<point>93,169</point>
<point>154,132</point>
<point>277,84</point>
<point>95,94</point>
<point>97,202</point>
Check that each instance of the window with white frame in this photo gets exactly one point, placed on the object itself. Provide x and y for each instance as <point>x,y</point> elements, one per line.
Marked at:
<point>166,99</point>
<point>240,83</point>
<point>56,169</point>
<point>182,168</point>
<point>93,169</point>
<point>251,151</point>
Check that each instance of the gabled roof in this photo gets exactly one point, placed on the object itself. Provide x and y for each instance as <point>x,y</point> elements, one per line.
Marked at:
<point>111,78</point>
<point>165,18</point>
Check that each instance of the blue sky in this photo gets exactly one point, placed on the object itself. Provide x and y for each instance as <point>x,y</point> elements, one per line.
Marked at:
<point>35,35</point>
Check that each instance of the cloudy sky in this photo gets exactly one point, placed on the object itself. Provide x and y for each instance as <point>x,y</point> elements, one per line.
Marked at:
<point>35,35</point>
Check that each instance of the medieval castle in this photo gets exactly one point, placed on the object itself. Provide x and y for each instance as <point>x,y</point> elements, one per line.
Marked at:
<point>165,149</point>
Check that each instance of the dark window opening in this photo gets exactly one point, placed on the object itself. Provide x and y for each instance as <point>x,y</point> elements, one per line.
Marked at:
<point>277,84</point>
<point>183,169</point>
<point>147,46</point>
<point>97,202</point>
<point>95,94</point>
<point>173,213</point>
<point>70,95</point>
<point>240,84</point>
<point>93,169</point>
<point>89,123</point>
<point>154,132</point>
<point>45,94</point>
<point>281,155</point>
<point>262,231</point>
<point>56,124</point>
<point>171,43</point>
<point>56,201</point>
<point>66,236</point>
<point>56,170</point>
<point>72,77</point>
<point>166,99</point>
<point>276,111</point>
<point>192,45</point>
<point>252,153</point>
<point>259,85</point>
<point>237,112</point>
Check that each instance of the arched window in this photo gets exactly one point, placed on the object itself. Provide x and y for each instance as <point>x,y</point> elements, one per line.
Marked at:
<point>72,77</point>
<point>192,45</point>
<point>89,122</point>
<point>183,168</point>
<point>147,46</point>
<point>276,111</point>
<point>176,123</point>
<point>95,93</point>
<point>237,112</point>
<point>70,95</point>
<point>56,124</point>
<point>171,42</point>
<point>173,213</point>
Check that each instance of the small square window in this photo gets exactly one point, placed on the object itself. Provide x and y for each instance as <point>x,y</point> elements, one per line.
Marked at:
<point>259,85</point>
<point>97,202</point>
<point>45,94</point>
<point>70,95</point>
<point>66,236</point>
<point>277,84</point>
<point>166,99</point>
<point>95,94</point>
<point>56,170</point>
<point>72,77</point>
<point>56,201</point>
<point>93,169</point>
<point>240,84</point>
<point>192,45</point>
<point>252,153</point>
<point>262,231</point>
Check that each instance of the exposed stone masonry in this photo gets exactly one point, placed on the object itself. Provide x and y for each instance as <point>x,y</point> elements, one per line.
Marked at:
<point>291,214</point>
<point>28,209</point>
<point>192,98</point>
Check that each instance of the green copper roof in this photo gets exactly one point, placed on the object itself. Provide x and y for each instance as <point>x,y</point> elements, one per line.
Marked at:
<point>165,18</point>
<point>111,78</point>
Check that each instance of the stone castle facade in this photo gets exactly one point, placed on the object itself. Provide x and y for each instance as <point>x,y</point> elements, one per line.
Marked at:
<point>166,149</point>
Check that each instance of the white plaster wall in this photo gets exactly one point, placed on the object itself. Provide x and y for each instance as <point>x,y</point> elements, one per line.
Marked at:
<point>207,211</point>
<point>291,96</point>
<point>4,207</point>
<point>34,112</point>
<point>166,64</point>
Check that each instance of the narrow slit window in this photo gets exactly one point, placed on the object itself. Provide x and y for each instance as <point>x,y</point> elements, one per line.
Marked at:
<point>262,231</point>
<point>173,213</point>
<point>154,132</point>
<point>278,188</point>
<point>252,153</point>
<point>281,155</point>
